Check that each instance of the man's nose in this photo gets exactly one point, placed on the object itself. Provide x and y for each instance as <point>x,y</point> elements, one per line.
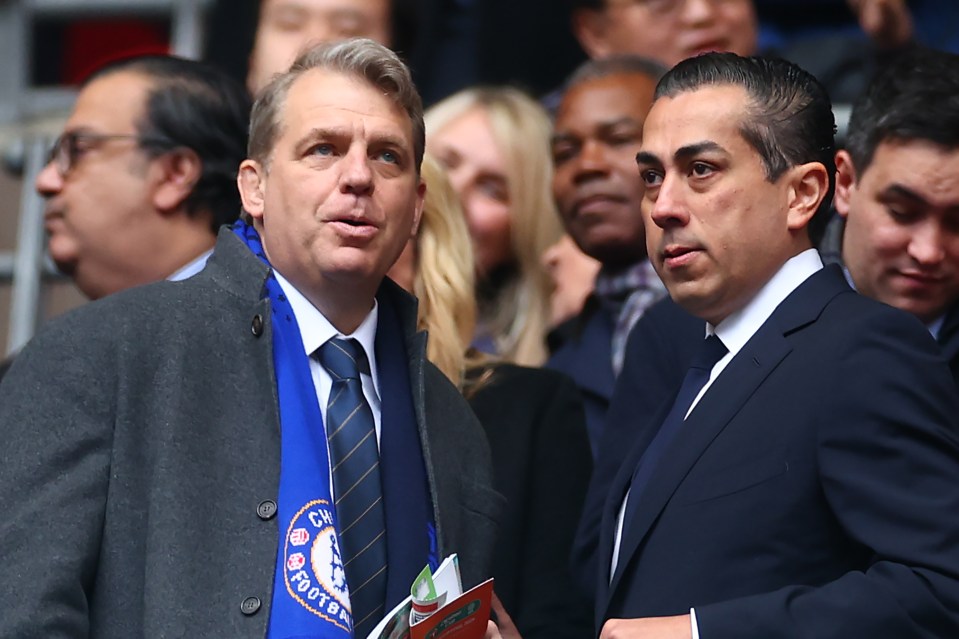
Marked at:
<point>926,244</point>
<point>666,204</point>
<point>697,11</point>
<point>357,176</point>
<point>591,161</point>
<point>49,181</point>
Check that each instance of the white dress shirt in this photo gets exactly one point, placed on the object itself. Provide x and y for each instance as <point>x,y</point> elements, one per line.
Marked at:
<point>735,331</point>
<point>316,330</point>
<point>193,267</point>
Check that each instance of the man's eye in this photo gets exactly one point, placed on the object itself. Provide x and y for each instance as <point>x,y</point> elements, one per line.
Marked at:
<point>650,177</point>
<point>322,149</point>
<point>623,137</point>
<point>289,20</point>
<point>389,157</point>
<point>563,153</point>
<point>903,216</point>
<point>700,169</point>
<point>350,26</point>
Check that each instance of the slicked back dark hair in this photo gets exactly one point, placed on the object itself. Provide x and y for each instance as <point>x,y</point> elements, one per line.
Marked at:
<point>196,106</point>
<point>789,120</point>
<point>915,97</point>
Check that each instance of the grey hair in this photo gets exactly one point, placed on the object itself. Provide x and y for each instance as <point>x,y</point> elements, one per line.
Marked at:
<point>360,58</point>
<point>622,64</point>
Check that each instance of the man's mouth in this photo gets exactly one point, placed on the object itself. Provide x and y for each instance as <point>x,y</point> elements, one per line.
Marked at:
<point>596,203</point>
<point>679,255</point>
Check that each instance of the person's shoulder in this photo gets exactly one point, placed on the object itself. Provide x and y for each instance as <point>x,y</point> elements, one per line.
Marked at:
<point>506,374</point>
<point>852,321</point>
<point>585,337</point>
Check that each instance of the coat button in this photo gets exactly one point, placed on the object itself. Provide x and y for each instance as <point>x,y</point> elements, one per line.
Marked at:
<point>250,605</point>
<point>257,326</point>
<point>266,509</point>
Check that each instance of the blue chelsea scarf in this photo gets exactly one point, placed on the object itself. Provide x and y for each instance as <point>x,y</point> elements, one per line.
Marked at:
<point>310,596</point>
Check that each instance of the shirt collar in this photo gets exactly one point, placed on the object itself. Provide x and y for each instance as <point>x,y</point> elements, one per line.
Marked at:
<point>934,327</point>
<point>316,330</point>
<point>191,268</point>
<point>739,327</point>
<point>621,282</point>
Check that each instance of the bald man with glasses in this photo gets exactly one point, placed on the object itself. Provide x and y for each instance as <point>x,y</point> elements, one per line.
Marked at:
<point>144,173</point>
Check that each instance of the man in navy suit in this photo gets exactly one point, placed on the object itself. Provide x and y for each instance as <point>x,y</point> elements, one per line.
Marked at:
<point>802,488</point>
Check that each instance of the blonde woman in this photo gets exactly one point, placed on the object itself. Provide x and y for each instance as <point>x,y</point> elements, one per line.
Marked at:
<point>494,144</point>
<point>533,419</point>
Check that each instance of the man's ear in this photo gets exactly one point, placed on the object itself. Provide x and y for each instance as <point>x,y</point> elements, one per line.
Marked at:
<point>179,172</point>
<point>808,186</point>
<point>418,213</point>
<point>251,181</point>
<point>589,27</point>
<point>845,182</point>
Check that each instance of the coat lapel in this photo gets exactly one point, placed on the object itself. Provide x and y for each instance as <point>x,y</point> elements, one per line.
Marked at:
<point>719,405</point>
<point>949,334</point>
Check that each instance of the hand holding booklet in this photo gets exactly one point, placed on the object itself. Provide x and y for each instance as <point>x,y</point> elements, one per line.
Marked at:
<point>437,607</point>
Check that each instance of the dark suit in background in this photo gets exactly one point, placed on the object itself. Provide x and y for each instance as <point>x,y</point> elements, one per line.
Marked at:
<point>807,494</point>
<point>585,355</point>
<point>534,422</point>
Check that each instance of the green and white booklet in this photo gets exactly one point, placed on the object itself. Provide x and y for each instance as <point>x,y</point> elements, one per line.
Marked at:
<point>437,607</point>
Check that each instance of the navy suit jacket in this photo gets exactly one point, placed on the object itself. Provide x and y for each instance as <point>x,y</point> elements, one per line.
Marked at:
<point>660,347</point>
<point>812,492</point>
<point>587,357</point>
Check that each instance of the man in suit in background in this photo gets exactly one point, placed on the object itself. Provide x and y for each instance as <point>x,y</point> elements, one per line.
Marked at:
<point>144,173</point>
<point>897,194</point>
<point>262,448</point>
<point>597,131</point>
<point>796,486</point>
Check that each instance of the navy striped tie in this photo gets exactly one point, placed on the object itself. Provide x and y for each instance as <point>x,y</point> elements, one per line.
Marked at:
<point>354,457</point>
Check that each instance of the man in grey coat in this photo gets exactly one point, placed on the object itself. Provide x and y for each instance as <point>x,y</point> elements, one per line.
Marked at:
<point>171,464</point>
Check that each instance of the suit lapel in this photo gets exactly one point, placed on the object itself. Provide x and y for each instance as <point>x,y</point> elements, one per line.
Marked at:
<point>722,401</point>
<point>949,334</point>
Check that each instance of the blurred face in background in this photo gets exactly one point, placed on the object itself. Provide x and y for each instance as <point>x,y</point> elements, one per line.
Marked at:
<point>667,30</point>
<point>98,212</point>
<point>476,167</point>
<point>287,27</point>
<point>598,130</point>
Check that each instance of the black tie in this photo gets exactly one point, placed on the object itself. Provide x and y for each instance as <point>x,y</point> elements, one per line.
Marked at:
<point>354,458</point>
<point>710,351</point>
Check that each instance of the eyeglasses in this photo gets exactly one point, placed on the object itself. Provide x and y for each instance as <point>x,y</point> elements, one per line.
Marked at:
<point>68,148</point>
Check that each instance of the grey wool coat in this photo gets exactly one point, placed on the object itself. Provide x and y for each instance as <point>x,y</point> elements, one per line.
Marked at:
<point>141,452</point>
